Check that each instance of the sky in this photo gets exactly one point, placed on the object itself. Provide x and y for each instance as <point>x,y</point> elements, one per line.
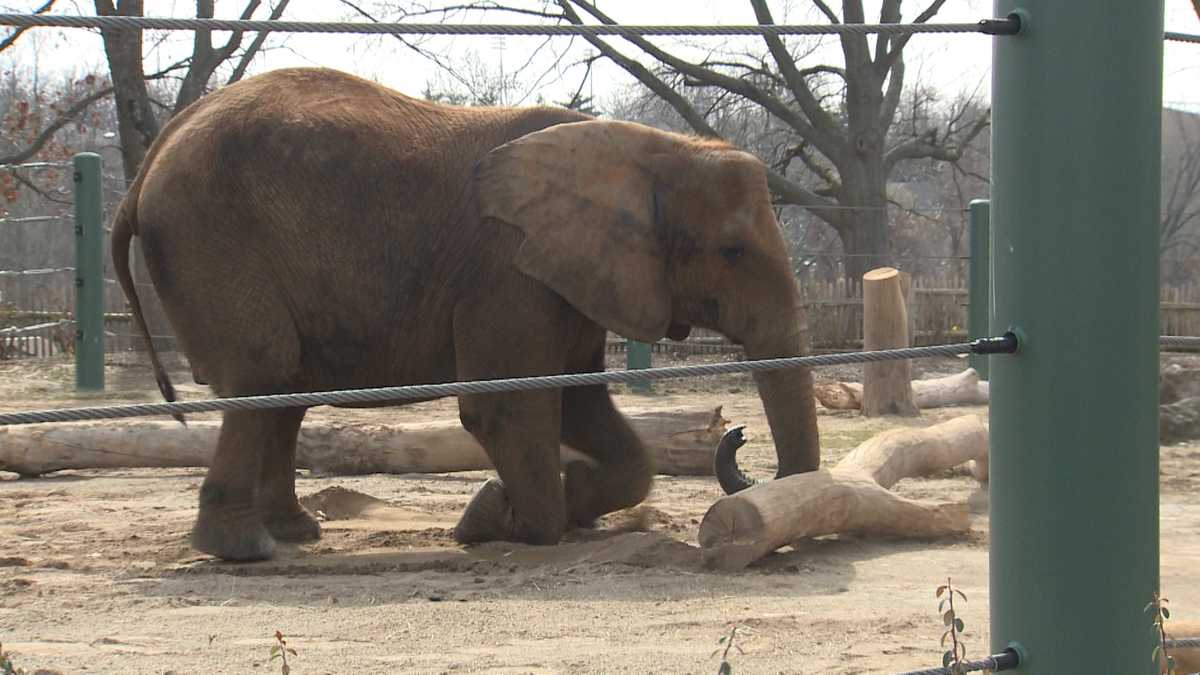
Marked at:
<point>954,64</point>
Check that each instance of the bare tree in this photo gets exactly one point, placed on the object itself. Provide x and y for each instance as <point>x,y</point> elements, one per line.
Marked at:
<point>836,124</point>
<point>1179,232</point>
<point>138,118</point>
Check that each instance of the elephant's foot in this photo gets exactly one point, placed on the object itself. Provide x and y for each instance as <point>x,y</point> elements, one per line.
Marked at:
<point>593,491</point>
<point>295,525</point>
<point>232,535</point>
<point>488,516</point>
<point>579,486</point>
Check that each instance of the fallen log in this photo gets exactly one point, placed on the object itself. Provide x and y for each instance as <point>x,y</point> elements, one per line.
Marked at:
<point>1176,383</point>
<point>1187,659</point>
<point>1179,421</point>
<point>965,388</point>
<point>681,442</point>
<point>851,497</point>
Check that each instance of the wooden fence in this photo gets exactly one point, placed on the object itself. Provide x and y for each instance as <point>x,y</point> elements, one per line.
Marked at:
<point>938,314</point>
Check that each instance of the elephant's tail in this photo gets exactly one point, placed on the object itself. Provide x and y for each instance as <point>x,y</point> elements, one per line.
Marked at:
<point>124,227</point>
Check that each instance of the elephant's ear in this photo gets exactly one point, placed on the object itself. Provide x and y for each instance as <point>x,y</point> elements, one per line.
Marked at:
<point>584,198</point>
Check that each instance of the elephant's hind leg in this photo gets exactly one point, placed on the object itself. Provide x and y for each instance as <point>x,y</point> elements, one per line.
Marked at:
<point>230,524</point>
<point>285,518</point>
<point>623,472</point>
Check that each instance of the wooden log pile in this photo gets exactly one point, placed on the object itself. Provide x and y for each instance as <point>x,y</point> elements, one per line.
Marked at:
<point>851,497</point>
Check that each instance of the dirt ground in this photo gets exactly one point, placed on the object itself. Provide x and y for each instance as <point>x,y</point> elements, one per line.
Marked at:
<point>96,575</point>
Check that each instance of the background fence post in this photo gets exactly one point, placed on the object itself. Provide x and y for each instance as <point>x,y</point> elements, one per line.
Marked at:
<point>1076,135</point>
<point>89,275</point>
<point>979,280</point>
<point>637,357</point>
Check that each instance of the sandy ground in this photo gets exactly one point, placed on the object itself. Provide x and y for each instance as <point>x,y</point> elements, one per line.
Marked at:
<point>96,575</point>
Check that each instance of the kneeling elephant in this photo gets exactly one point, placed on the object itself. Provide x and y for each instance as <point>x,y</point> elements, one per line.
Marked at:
<point>307,230</point>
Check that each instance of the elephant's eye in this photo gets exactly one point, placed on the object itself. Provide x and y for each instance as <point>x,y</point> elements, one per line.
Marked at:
<point>731,254</point>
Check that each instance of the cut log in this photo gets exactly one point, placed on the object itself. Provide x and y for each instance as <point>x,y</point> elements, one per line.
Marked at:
<point>851,497</point>
<point>1176,383</point>
<point>839,395</point>
<point>888,457</point>
<point>1179,421</point>
<point>887,388</point>
<point>681,442</point>
<point>964,388</point>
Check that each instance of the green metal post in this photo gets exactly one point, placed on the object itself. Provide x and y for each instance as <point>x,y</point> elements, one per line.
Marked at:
<point>89,275</point>
<point>1077,99</point>
<point>637,357</point>
<point>980,276</point>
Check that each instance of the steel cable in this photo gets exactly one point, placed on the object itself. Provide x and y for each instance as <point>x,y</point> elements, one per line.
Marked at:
<point>986,26</point>
<point>1003,344</point>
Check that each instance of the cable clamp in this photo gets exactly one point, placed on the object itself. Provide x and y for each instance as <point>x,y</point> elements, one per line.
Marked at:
<point>1004,344</point>
<point>1010,25</point>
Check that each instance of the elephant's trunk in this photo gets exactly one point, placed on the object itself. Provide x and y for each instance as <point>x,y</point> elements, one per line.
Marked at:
<point>787,397</point>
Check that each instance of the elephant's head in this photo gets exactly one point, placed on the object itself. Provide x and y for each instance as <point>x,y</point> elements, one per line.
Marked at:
<point>649,233</point>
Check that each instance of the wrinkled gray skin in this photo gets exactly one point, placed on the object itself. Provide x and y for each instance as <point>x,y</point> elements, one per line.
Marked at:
<point>308,230</point>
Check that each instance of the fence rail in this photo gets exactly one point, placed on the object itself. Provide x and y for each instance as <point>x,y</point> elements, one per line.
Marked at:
<point>938,314</point>
<point>37,341</point>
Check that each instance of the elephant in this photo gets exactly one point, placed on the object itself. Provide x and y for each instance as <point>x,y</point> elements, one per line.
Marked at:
<point>308,230</point>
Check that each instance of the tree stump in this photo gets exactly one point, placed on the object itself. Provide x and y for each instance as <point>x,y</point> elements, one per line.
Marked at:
<point>887,388</point>
<point>852,497</point>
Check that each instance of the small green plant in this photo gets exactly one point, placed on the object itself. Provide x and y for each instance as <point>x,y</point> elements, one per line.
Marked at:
<point>1166,662</point>
<point>280,651</point>
<point>727,643</point>
<point>7,667</point>
<point>952,658</point>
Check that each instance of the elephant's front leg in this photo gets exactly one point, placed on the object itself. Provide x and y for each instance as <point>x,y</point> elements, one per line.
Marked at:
<point>623,469</point>
<point>520,433</point>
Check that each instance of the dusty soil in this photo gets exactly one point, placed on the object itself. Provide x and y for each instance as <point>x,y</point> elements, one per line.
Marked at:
<point>96,575</point>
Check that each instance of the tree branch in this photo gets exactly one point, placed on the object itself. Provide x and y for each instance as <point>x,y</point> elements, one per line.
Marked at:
<point>829,14</point>
<point>891,97</point>
<point>825,131</point>
<point>786,190</point>
<point>882,66</point>
<point>37,189</point>
<point>735,85</point>
<point>64,118</point>
<point>239,71</point>
<point>651,81</point>
<point>926,146</point>
<point>12,39</point>
<point>823,172</point>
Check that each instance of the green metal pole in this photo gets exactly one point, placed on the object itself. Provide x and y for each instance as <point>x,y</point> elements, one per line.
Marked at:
<point>637,357</point>
<point>1077,99</point>
<point>980,279</point>
<point>89,275</point>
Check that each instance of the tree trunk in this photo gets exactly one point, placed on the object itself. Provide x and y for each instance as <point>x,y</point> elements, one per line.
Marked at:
<point>136,122</point>
<point>852,497</point>
<point>137,127</point>
<point>680,441</point>
<point>887,386</point>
